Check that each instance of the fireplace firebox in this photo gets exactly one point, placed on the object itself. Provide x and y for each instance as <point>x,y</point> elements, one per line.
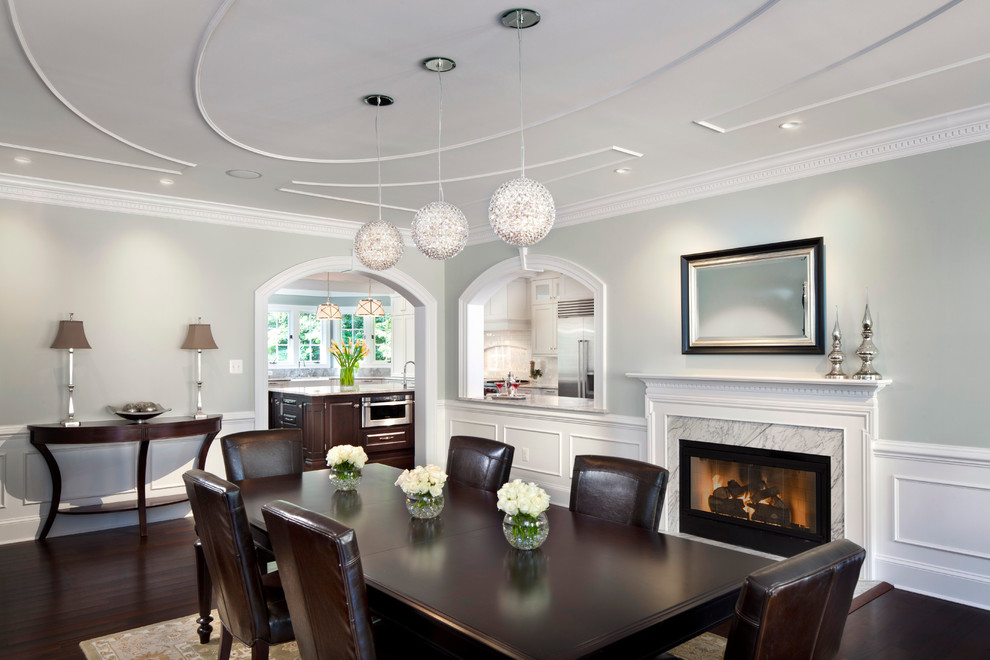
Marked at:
<point>774,501</point>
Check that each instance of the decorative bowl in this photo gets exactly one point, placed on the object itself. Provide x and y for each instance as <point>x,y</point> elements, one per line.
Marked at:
<point>138,412</point>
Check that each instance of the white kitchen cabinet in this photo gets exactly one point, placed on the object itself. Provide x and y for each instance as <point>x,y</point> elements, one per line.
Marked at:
<point>545,289</point>
<point>403,340</point>
<point>508,308</point>
<point>571,289</point>
<point>545,328</point>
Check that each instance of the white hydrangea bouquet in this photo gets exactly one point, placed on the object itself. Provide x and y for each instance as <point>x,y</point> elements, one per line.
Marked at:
<point>525,504</point>
<point>423,487</point>
<point>346,462</point>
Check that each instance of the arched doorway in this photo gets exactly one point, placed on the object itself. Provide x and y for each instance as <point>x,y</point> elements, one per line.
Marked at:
<point>426,342</point>
<point>471,325</point>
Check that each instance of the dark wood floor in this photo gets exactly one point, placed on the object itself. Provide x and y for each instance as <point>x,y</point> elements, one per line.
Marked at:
<point>57,593</point>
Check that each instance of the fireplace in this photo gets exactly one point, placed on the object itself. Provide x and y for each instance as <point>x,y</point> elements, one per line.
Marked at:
<point>775,501</point>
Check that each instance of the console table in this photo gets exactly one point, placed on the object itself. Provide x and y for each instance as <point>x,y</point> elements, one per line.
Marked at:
<point>115,431</point>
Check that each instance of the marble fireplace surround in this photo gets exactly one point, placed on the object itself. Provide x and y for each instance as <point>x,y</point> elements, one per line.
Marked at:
<point>808,415</point>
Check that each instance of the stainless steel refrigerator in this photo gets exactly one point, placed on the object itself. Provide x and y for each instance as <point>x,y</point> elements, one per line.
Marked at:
<point>576,348</point>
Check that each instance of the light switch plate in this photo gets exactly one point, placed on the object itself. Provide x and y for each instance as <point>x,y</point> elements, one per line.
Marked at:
<point>525,453</point>
<point>237,366</point>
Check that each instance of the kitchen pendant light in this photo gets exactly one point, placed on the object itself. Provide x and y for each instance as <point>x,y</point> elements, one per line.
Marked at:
<point>378,244</point>
<point>439,229</point>
<point>521,211</point>
<point>328,311</point>
<point>370,306</point>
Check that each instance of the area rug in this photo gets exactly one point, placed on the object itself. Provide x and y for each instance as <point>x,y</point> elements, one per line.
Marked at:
<point>177,639</point>
<point>173,640</point>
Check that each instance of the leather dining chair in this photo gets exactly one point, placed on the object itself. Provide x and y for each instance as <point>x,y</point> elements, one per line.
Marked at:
<point>323,581</point>
<point>324,586</point>
<point>251,604</point>
<point>796,609</point>
<point>264,453</point>
<point>248,455</point>
<point>618,489</point>
<point>479,462</point>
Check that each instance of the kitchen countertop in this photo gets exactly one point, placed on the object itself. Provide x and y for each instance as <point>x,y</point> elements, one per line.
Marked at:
<point>329,390</point>
<point>548,401</point>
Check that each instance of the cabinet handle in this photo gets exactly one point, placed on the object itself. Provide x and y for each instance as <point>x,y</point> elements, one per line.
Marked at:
<point>357,405</point>
<point>290,401</point>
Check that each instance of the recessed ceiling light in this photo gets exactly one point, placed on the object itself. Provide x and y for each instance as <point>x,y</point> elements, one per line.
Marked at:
<point>166,182</point>
<point>244,174</point>
<point>23,160</point>
<point>790,124</point>
<point>623,170</point>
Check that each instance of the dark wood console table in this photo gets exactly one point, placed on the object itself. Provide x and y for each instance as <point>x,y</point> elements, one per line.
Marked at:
<point>114,431</point>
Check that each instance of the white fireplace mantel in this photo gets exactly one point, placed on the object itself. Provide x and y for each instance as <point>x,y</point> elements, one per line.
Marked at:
<point>849,406</point>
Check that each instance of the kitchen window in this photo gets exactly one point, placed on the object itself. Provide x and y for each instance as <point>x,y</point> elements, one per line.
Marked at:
<point>297,338</point>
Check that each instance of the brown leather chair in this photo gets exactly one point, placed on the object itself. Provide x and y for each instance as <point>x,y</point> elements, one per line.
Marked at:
<point>796,609</point>
<point>251,605</point>
<point>618,489</point>
<point>478,462</point>
<point>265,453</point>
<point>321,571</point>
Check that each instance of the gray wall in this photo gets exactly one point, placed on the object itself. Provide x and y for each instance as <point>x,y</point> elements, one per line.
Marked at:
<point>914,231</point>
<point>136,283</point>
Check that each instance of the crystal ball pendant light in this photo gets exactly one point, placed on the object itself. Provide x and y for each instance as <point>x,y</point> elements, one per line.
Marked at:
<point>378,244</point>
<point>439,229</point>
<point>521,211</point>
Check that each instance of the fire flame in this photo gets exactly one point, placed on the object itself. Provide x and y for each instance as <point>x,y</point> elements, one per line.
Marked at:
<point>716,482</point>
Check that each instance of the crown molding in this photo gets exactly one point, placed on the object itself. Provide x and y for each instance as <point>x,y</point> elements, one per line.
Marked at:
<point>29,189</point>
<point>932,134</point>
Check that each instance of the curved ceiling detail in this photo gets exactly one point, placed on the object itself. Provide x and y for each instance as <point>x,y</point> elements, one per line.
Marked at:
<point>710,119</point>
<point>22,42</point>
<point>224,9</point>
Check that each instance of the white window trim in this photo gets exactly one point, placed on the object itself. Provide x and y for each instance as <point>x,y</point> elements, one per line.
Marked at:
<point>294,311</point>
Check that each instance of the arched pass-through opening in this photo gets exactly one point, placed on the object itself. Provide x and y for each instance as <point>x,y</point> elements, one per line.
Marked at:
<point>426,341</point>
<point>471,317</point>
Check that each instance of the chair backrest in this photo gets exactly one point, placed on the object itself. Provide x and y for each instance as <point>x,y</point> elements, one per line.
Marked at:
<point>266,453</point>
<point>479,462</point>
<point>320,566</point>
<point>796,609</point>
<point>619,489</point>
<point>228,547</point>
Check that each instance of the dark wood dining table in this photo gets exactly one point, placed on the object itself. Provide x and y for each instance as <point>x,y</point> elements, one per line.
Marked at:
<point>594,589</point>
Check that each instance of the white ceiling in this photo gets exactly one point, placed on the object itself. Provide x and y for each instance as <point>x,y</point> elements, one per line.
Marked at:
<point>120,94</point>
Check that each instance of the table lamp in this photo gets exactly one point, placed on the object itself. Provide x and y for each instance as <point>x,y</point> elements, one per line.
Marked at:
<point>71,336</point>
<point>200,338</point>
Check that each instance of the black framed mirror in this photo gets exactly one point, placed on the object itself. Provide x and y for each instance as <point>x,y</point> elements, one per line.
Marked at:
<point>758,299</point>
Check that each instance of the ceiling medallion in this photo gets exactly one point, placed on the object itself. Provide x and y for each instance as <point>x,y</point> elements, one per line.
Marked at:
<point>521,211</point>
<point>439,229</point>
<point>378,244</point>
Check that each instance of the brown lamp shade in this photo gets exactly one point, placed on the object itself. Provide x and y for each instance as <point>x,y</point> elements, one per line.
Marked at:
<point>70,335</point>
<point>200,337</point>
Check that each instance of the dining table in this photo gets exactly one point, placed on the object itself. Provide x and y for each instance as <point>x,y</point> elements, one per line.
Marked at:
<point>595,588</point>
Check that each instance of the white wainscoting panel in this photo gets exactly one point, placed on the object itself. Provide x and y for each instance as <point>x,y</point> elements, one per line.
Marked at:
<point>93,474</point>
<point>536,451</point>
<point>546,440</point>
<point>932,534</point>
<point>467,427</point>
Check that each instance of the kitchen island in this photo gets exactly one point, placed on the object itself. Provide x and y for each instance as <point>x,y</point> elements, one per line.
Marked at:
<point>376,416</point>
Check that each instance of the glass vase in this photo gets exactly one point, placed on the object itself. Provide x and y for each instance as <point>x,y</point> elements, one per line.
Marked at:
<point>347,377</point>
<point>424,506</point>
<point>526,532</point>
<point>345,476</point>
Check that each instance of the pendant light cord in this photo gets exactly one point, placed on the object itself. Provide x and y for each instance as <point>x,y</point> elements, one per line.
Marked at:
<point>378,145</point>
<point>439,131</point>
<point>522,136</point>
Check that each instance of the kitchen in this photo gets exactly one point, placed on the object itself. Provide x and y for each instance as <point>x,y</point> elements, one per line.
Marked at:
<point>313,326</point>
<point>539,342</point>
